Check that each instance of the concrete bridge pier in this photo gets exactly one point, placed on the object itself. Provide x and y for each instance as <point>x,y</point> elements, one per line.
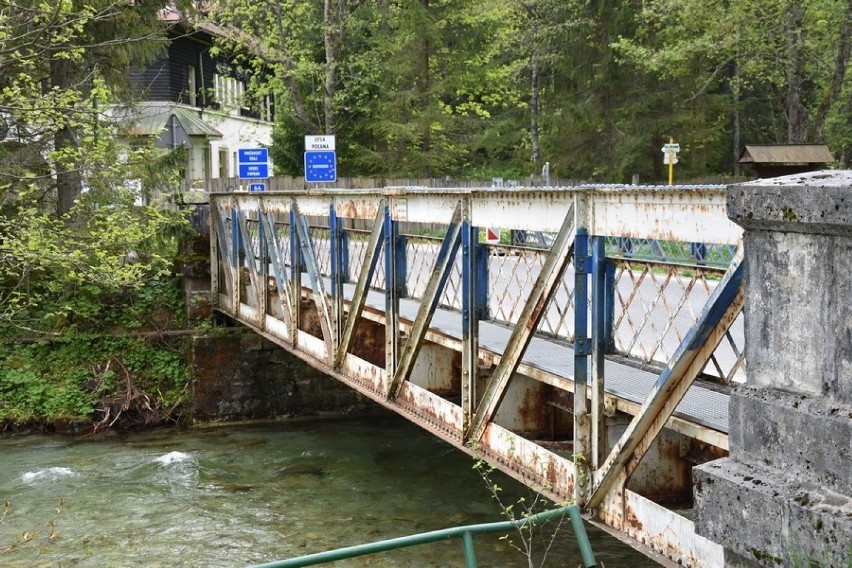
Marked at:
<point>784,495</point>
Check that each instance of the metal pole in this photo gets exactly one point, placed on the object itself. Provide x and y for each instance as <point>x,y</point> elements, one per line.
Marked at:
<point>464,532</point>
<point>582,426</point>
<point>671,162</point>
<point>337,269</point>
<point>263,253</point>
<point>470,316</point>
<point>582,537</point>
<point>469,553</point>
<point>391,297</point>
<point>599,336</point>
<point>295,277</point>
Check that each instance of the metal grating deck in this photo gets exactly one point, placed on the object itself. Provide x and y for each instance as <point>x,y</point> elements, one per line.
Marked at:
<point>700,405</point>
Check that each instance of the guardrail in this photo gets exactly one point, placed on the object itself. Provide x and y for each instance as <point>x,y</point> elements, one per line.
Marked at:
<point>465,533</point>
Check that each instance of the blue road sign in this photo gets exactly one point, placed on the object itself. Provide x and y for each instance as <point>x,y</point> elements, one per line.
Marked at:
<point>253,163</point>
<point>253,155</point>
<point>320,167</point>
<point>253,187</point>
<point>254,171</point>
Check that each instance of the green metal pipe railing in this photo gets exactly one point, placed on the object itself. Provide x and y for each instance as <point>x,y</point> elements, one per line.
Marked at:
<point>464,533</point>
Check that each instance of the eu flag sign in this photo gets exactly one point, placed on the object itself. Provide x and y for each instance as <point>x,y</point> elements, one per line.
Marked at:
<point>320,167</point>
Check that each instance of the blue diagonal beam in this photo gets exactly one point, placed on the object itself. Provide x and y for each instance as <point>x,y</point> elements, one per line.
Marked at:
<point>279,264</point>
<point>317,289</point>
<point>251,255</point>
<point>365,276</point>
<point>431,297</point>
<point>531,314</point>
<point>687,362</point>
<point>225,253</point>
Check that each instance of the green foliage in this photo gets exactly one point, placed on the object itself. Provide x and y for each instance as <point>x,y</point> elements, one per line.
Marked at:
<point>759,59</point>
<point>66,377</point>
<point>534,541</point>
<point>474,90</point>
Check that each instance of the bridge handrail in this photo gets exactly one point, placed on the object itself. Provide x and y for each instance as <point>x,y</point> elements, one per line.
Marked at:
<point>464,532</point>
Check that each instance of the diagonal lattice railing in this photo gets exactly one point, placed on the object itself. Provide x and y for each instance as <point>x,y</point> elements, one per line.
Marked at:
<point>659,288</point>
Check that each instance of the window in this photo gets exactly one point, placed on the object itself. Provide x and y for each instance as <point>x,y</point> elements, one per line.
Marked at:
<point>223,162</point>
<point>206,159</point>
<point>267,108</point>
<point>191,89</point>
<point>229,92</point>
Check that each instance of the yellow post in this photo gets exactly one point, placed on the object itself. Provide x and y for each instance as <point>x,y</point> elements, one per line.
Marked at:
<point>671,161</point>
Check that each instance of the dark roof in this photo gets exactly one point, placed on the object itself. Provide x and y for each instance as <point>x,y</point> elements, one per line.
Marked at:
<point>786,154</point>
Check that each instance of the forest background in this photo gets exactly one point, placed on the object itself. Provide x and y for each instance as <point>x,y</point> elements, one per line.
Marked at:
<point>467,89</point>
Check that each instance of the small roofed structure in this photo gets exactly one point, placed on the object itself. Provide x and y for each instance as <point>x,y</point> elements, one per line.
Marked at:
<point>172,124</point>
<point>773,160</point>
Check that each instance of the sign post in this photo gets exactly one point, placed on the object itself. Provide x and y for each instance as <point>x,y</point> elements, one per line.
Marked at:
<point>320,159</point>
<point>670,151</point>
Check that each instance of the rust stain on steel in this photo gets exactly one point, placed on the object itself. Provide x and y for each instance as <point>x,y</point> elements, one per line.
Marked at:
<point>532,408</point>
<point>357,208</point>
<point>368,342</point>
<point>431,407</point>
<point>309,321</point>
<point>632,522</point>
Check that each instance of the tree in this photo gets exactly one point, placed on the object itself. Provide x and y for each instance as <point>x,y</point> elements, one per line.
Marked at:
<point>782,65</point>
<point>56,62</point>
<point>295,47</point>
<point>69,226</point>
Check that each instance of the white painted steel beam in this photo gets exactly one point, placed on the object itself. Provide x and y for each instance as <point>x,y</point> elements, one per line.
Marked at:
<point>225,248</point>
<point>678,213</point>
<point>279,267</point>
<point>359,297</point>
<point>551,272</point>
<point>428,304</point>
<point>319,295</point>
<point>258,286</point>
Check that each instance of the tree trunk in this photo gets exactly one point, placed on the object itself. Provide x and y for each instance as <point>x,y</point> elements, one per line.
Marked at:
<point>425,60</point>
<point>797,113</point>
<point>329,39</point>
<point>534,94</point>
<point>841,64</point>
<point>289,76</point>
<point>735,88</point>
<point>69,183</point>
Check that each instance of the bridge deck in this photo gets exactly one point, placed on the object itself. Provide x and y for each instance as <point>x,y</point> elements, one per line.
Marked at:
<point>701,406</point>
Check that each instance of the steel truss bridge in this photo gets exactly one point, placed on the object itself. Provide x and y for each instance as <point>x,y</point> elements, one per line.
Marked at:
<point>588,357</point>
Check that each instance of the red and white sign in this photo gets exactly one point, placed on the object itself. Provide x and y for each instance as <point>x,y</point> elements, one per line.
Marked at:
<point>492,236</point>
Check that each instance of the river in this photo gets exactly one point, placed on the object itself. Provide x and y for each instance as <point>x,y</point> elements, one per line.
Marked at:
<point>237,495</point>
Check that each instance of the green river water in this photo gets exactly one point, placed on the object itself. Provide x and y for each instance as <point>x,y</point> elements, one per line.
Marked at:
<point>238,495</point>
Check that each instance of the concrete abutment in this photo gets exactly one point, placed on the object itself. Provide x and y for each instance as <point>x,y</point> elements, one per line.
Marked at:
<point>784,495</point>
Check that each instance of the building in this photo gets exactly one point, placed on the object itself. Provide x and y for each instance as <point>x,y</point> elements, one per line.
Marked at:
<point>193,98</point>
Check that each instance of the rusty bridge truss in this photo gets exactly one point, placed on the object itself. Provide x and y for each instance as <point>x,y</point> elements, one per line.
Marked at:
<point>396,293</point>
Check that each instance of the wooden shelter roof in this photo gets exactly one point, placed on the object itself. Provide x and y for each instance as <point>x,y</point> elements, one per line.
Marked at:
<point>786,154</point>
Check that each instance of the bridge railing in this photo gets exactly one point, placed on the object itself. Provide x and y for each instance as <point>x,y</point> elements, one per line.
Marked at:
<point>658,287</point>
<point>465,533</point>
